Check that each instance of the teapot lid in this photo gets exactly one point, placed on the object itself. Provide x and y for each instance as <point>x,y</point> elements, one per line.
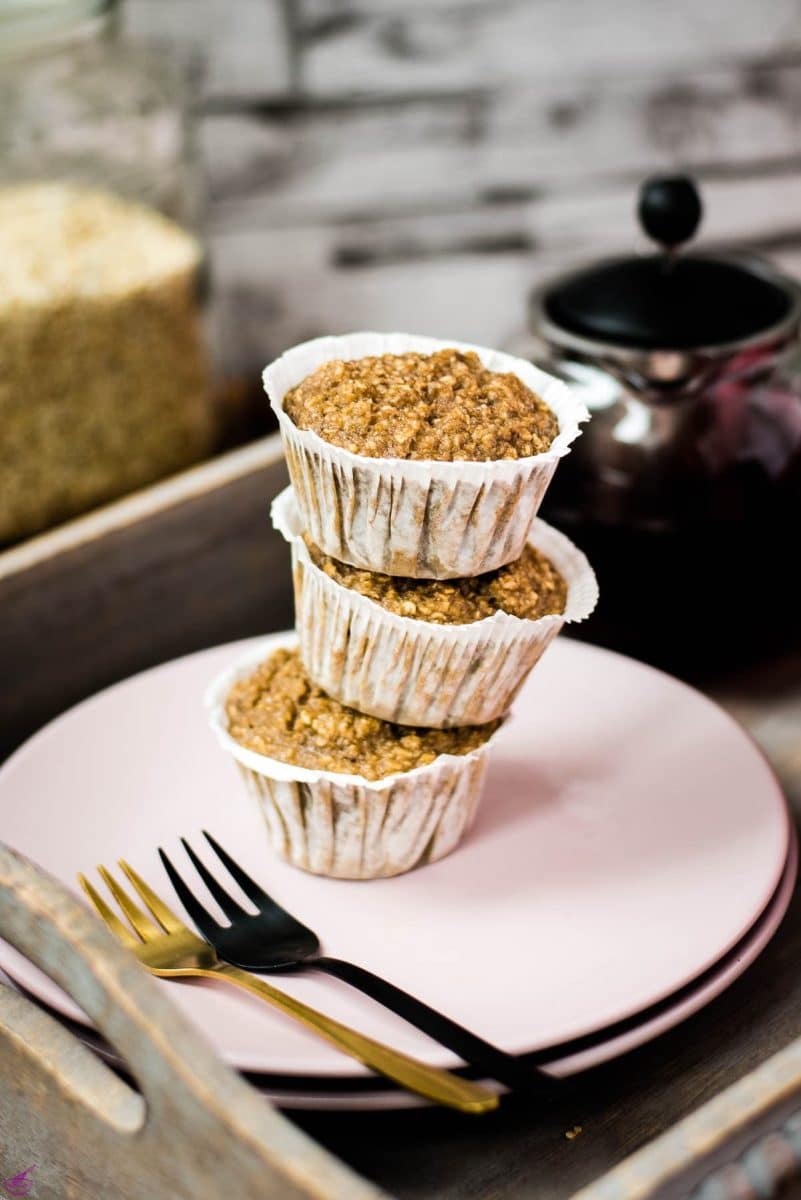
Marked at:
<point>667,300</point>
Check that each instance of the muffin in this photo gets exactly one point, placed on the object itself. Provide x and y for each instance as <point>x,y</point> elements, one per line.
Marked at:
<point>416,457</point>
<point>434,653</point>
<point>344,794</point>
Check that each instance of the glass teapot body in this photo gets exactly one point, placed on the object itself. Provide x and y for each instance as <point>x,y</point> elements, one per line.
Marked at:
<point>684,488</point>
<point>713,450</point>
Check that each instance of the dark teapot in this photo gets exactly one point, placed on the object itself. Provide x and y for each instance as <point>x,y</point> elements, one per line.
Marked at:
<point>685,487</point>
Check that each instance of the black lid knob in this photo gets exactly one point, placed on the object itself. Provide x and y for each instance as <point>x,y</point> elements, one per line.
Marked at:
<point>669,209</point>
<point>654,303</point>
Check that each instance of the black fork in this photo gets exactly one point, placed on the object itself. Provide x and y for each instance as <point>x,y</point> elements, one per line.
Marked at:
<point>273,940</point>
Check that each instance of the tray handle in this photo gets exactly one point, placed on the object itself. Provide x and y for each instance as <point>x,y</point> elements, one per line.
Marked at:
<point>70,1126</point>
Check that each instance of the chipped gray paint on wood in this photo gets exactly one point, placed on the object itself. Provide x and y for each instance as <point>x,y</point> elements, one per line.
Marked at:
<point>243,42</point>
<point>196,1132</point>
<point>424,164</point>
<point>423,157</point>
<point>379,45</point>
<point>461,274</point>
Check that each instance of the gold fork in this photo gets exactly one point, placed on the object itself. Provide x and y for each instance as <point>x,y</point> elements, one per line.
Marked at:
<point>170,949</point>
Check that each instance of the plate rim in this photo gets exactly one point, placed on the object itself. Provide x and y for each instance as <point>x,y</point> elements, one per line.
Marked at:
<point>369,1092</point>
<point>71,1011</point>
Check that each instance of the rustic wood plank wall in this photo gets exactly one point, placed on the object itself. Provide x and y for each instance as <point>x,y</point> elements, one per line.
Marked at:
<point>420,164</point>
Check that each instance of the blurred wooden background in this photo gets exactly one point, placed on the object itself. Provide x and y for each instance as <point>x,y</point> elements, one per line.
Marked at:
<point>419,164</point>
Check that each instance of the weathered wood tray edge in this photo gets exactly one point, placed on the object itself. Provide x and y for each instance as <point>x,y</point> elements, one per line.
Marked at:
<point>744,1144</point>
<point>140,505</point>
<point>184,564</point>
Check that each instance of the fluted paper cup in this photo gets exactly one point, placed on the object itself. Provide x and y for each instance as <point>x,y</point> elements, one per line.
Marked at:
<point>417,672</point>
<point>419,518</point>
<point>346,826</point>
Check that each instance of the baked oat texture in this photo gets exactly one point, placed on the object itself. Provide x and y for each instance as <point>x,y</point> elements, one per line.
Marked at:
<point>530,588</point>
<point>277,711</point>
<point>442,407</point>
<point>104,376</point>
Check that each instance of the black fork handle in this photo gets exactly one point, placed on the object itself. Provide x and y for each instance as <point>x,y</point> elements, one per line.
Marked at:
<point>493,1062</point>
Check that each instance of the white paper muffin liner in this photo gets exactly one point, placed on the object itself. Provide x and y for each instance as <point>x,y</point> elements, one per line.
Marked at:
<point>423,519</point>
<point>343,825</point>
<point>417,672</point>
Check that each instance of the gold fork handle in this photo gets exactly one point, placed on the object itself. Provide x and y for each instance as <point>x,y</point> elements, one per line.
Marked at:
<point>431,1082</point>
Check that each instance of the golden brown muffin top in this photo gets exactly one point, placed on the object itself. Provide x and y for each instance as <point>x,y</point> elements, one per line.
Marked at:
<point>278,711</point>
<point>442,407</point>
<point>530,587</point>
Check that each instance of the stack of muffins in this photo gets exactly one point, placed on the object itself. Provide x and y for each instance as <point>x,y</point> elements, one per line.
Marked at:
<point>425,591</point>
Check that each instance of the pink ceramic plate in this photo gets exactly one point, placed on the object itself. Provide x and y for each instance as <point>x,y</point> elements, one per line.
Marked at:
<point>370,1093</point>
<point>630,835</point>
<point>366,1094</point>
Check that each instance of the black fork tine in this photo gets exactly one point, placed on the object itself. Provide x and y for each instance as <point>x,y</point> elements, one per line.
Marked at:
<point>230,907</point>
<point>204,920</point>
<point>248,885</point>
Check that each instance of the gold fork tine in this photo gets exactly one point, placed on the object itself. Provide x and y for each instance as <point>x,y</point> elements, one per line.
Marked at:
<point>140,920</point>
<point>104,912</point>
<point>175,951</point>
<point>165,916</point>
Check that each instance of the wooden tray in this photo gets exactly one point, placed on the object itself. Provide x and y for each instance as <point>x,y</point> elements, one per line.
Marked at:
<point>192,562</point>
